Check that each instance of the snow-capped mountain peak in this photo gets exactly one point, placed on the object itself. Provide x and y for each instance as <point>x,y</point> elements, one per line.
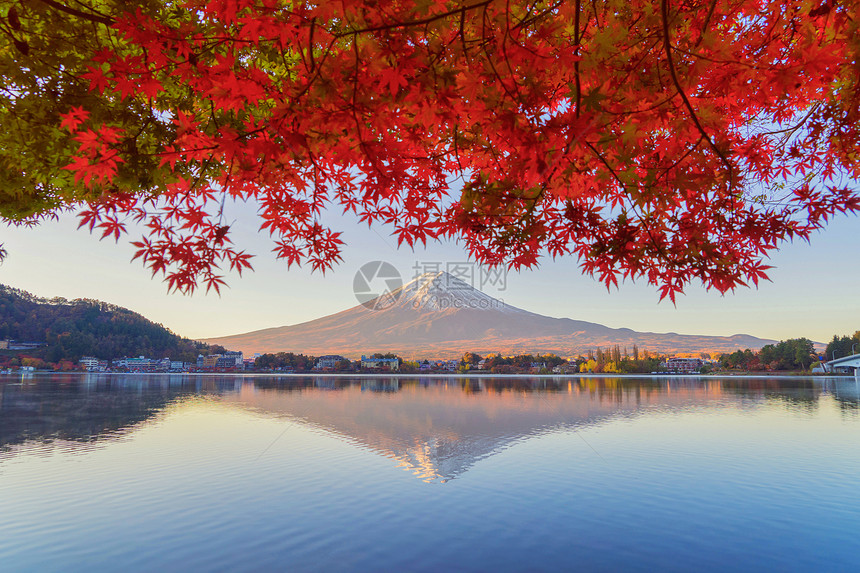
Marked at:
<point>437,291</point>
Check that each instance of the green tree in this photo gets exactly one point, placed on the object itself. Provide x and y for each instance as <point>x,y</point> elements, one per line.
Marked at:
<point>46,51</point>
<point>842,346</point>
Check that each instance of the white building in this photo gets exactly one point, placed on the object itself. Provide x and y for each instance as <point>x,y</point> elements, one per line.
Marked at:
<point>684,364</point>
<point>381,363</point>
<point>90,363</point>
<point>329,362</point>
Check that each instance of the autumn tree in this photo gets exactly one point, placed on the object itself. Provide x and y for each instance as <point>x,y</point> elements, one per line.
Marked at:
<point>741,360</point>
<point>657,139</point>
<point>471,358</point>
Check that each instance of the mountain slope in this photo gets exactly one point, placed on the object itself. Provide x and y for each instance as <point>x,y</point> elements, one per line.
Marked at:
<point>439,315</point>
<point>81,327</point>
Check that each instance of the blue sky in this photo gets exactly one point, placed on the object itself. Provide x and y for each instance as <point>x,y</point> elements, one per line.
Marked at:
<point>815,290</point>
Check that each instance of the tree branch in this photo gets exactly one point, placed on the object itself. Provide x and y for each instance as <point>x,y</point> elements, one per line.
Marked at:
<point>664,8</point>
<point>98,18</point>
<point>706,22</point>
<point>418,22</point>
<point>576,62</point>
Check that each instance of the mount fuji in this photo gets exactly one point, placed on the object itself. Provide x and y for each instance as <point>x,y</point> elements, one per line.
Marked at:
<point>437,315</point>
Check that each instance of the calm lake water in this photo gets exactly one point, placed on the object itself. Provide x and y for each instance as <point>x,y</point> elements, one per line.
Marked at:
<point>175,473</point>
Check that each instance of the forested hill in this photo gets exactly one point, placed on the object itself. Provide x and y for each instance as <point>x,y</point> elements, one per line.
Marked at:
<point>84,327</point>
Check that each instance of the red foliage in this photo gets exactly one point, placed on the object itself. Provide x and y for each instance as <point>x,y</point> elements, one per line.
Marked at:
<point>670,141</point>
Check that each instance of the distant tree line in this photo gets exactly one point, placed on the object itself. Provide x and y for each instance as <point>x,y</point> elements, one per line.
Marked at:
<point>498,364</point>
<point>842,346</point>
<point>794,354</point>
<point>306,362</point>
<point>285,361</point>
<point>614,360</point>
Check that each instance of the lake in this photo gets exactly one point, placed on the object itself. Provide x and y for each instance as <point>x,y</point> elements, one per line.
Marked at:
<point>411,473</point>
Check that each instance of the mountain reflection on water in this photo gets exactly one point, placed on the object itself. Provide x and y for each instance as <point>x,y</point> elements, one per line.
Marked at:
<point>436,428</point>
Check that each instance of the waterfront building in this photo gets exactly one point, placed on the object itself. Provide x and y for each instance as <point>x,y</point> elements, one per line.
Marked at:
<point>684,365</point>
<point>329,362</point>
<point>227,361</point>
<point>233,359</point>
<point>140,364</point>
<point>380,363</point>
<point>93,364</point>
<point>18,345</point>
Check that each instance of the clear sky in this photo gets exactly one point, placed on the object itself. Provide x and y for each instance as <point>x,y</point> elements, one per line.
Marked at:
<point>815,290</point>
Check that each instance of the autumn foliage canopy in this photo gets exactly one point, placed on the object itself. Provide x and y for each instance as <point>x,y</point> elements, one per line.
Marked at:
<point>669,140</point>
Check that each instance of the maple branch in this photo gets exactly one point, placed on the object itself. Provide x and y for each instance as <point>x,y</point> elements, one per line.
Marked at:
<point>318,71</point>
<point>505,51</point>
<point>418,22</point>
<point>705,23</point>
<point>97,17</point>
<point>753,66</point>
<point>528,21</point>
<point>596,18</point>
<point>606,163</point>
<point>520,25</point>
<point>463,35</point>
<point>311,43</point>
<point>659,248</point>
<point>576,62</point>
<point>798,125</point>
<point>664,9</point>
<point>490,59</point>
<point>354,109</point>
<point>680,159</point>
<point>656,105</point>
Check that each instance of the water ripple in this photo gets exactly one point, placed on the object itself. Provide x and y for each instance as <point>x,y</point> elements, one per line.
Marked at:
<point>604,475</point>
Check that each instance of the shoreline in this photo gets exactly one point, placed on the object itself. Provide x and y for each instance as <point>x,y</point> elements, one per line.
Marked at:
<point>757,375</point>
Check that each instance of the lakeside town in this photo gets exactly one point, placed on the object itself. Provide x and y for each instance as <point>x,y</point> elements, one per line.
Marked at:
<point>614,361</point>
<point>235,361</point>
